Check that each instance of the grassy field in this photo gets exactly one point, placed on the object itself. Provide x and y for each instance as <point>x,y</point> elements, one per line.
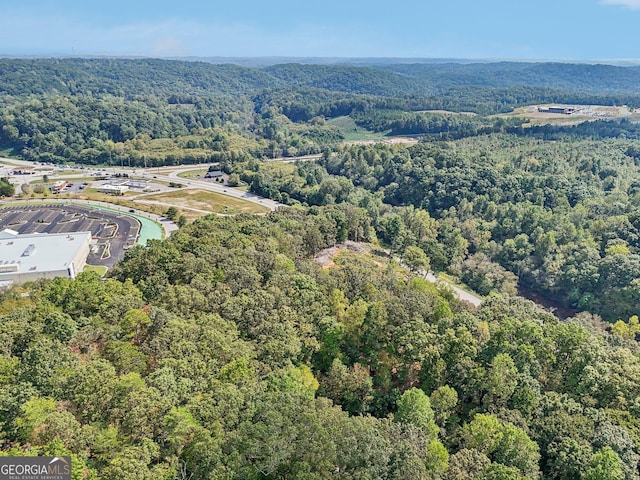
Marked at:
<point>352,132</point>
<point>191,203</point>
<point>92,194</point>
<point>205,201</point>
<point>193,173</point>
<point>99,269</point>
<point>279,169</point>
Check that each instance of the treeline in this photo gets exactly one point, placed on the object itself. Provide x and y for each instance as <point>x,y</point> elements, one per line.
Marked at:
<point>106,130</point>
<point>227,352</point>
<point>441,126</point>
<point>623,128</point>
<point>152,131</point>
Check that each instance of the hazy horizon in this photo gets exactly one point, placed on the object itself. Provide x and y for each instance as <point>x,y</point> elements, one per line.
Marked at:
<point>266,60</point>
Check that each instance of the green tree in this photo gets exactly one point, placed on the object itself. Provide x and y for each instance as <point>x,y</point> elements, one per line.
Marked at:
<point>134,325</point>
<point>415,258</point>
<point>443,402</point>
<point>46,363</point>
<point>502,379</point>
<point>234,180</point>
<point>351,387</point>
<point>33,414</point>
<point>604,464</point>
<point>414,407</point>
<point>6,188</point>
<point>171,213</point>
<point>467,464</point>
<point>504,443</point>
<point>60,326</point>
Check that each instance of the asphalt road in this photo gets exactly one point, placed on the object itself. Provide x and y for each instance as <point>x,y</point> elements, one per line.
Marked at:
<point>475,300</point>
<point>165,174</point>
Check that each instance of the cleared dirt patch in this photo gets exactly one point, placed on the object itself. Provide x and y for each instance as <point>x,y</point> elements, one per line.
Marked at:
<point>325,257</point>
<point>387,141</point>
<point>449,112</point>
<point>541,114</point>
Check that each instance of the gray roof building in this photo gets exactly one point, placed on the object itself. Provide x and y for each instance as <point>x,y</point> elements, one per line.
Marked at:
<point>29,257</point>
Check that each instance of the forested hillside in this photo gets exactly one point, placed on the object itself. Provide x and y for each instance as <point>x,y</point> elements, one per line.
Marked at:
<point>595,79</point>
<point>114,111</point>
<point>240,348</point>
<point>227,352</point>
<point>560,215</point>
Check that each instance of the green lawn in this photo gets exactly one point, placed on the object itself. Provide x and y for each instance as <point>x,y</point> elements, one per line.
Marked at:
<point>208,201</point>
<point>352,132</point>
<point>193,173</point>
<point>99,269</point>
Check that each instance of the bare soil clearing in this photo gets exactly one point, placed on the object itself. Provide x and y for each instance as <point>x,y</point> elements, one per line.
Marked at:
<point>540,114</point>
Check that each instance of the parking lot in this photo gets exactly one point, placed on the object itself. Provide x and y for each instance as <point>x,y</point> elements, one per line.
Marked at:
<point>112,233</point>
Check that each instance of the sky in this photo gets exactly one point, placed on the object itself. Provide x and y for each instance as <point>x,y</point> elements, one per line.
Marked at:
<point>587,30</point>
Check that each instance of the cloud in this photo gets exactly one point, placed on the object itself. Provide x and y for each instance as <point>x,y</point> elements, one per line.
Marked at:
<point>631,4</point>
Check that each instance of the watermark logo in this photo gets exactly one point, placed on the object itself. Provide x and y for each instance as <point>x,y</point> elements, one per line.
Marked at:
<point>35,468</point>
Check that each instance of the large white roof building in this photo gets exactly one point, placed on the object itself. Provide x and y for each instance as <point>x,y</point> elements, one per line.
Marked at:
<point>25,258</point>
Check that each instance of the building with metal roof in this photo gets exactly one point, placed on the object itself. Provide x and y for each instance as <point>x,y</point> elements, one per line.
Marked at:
<point>24,258</point>
<point>113,189</point>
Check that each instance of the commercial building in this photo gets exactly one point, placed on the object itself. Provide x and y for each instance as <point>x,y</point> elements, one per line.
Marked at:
<point>565,110</point>
<point>113,189</point>
<point>24,258</point>
<point>58,186</point>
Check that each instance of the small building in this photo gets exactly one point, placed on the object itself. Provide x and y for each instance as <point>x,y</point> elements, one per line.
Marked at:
<point>137,183</point>
<point>214,174</point>
<point>58,186</point>
<point>113,189</point>
<point>29,257</point>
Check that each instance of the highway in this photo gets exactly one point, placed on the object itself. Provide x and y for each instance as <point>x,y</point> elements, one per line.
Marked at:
<point>162,174</point>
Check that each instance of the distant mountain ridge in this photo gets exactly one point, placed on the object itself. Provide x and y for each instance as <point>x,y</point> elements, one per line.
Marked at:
<point>265,61</point>
<point>120,76</point>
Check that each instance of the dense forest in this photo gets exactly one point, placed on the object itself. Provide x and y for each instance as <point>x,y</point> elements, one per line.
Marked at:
<point>119,111</point>
<point>560,215</point>
<point>227,352</point>
<point>237,349</point>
